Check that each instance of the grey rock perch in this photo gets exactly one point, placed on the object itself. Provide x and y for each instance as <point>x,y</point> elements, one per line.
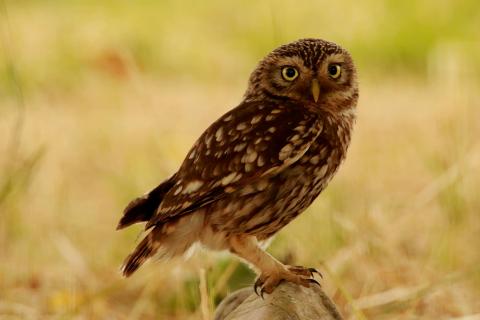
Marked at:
<point>288,301</point>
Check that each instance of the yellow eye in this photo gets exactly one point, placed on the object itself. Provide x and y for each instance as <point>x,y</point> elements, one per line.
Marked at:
<point>334,70</point>
<point>289,73</point>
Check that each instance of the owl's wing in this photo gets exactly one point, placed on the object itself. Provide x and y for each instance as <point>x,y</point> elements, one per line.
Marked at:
<point>251,142</point>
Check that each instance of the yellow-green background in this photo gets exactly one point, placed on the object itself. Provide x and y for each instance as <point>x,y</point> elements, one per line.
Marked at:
<point>100,100</point>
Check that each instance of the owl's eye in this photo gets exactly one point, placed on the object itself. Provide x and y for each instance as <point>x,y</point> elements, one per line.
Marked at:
<point>334,70</point>
<point>289,73</point>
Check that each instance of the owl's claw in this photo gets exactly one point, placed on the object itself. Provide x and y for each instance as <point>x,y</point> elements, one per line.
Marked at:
<point>256,285</point>
<point>266,283</point>
<point>313,271</point>
<point>315,282</point>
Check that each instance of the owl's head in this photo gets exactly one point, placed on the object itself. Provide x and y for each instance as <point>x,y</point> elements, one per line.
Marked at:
<point>313,72</point>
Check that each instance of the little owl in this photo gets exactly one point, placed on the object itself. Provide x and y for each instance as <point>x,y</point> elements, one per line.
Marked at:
<point>258,166</point>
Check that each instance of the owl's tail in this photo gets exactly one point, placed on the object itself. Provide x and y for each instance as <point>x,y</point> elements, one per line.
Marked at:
<point>166,241</point>
<point>143,208</point>
<point>144,250</point>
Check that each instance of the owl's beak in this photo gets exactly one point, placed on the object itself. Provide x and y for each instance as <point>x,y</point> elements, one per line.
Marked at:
<point>315,87</point>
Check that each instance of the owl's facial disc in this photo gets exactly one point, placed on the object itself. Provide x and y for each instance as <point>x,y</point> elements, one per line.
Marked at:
<point>325,83</point>
<point>311,72</point>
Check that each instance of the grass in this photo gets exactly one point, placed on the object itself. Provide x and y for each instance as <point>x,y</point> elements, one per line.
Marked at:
<point>109,109</point>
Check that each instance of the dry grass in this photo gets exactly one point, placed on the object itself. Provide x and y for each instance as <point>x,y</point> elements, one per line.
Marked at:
<point>396,233</point>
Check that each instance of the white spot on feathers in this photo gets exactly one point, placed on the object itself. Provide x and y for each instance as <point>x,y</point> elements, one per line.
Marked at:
<point>260,161</point>
<point>285,152</point>
<point>232,177</point>
<point>256,119</point>
<point>192,186</point>
<point>239,147</point>
<point>251,156</point>
<point>178,191</point>
<point>295,138</point>
<point>314,160</point>
<point>207,140</point>
<point>321,172</point>
<point>241,126</point>
<point>219,134</point>
<point>272,169</point>
<point>300,129</point>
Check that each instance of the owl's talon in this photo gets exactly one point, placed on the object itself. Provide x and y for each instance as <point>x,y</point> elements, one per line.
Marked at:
<point>266,283</point>
<point>257,285</point>
<point>313,270</point>
<point>314,281</point>
<point>260,287</point>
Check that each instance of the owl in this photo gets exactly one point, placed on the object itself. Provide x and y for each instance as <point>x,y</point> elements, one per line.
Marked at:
<point>258,166</point>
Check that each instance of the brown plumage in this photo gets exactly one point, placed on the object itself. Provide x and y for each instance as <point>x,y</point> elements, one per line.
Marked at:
<point>258,166</point>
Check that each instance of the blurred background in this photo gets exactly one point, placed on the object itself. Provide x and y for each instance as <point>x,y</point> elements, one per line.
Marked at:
<point>99,101</point>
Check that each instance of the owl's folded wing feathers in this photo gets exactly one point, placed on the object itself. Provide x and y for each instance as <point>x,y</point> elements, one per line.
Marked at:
<point>250,142</point>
